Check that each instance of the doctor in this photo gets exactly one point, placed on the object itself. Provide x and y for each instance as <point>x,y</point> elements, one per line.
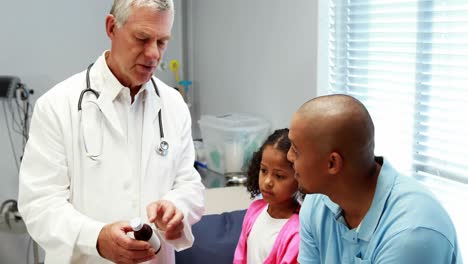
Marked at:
<point>110,144</point>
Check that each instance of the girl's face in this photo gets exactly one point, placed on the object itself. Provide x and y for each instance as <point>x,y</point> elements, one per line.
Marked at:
<point>276,177</point>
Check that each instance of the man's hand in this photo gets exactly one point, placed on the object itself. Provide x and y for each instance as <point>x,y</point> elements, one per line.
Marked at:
<point>167,218</point>
<point>114,244</point>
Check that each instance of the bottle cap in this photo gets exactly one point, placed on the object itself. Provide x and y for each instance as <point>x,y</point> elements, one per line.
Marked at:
<point>136,224</point>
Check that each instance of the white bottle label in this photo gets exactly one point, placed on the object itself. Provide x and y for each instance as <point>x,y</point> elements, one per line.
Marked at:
<point>155,243</point>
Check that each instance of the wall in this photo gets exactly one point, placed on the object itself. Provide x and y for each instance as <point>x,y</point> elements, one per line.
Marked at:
<point>44,43</point>
<point>253,56</point>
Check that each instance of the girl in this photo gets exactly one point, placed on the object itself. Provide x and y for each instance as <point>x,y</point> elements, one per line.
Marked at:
<point>270,231</point>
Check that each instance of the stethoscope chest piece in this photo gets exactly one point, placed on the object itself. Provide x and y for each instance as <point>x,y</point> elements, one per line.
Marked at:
<point>163,147</point>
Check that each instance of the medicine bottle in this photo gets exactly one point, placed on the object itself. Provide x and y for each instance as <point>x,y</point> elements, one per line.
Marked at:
<point>144,232</point>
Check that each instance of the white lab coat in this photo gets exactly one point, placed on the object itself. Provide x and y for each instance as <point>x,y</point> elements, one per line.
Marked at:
<point>66,198</point>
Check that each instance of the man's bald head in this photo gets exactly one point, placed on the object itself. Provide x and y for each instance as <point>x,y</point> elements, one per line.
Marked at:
<point>342,124</point>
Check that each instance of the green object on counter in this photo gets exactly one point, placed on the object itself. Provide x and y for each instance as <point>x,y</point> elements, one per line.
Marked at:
<point>216,159</point>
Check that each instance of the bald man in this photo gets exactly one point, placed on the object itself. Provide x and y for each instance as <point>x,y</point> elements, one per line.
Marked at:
<point>361,209</point>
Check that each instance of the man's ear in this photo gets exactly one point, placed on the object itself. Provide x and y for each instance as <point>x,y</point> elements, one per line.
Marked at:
<point>110,26</point>
<point>335,163</point>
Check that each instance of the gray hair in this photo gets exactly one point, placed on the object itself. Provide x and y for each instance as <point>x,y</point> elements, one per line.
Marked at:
<point>121,9</point>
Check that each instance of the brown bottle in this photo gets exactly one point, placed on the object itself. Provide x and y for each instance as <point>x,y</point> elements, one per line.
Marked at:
<point>144,232</point>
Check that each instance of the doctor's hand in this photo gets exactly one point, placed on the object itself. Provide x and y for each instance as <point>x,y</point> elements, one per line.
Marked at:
<point>167,218</point>
<point>114,245</point>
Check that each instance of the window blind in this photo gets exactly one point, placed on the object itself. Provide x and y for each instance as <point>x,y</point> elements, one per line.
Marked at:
<point>407,61</point>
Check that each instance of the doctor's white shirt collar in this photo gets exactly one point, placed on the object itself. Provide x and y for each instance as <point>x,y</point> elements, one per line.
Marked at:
<point>112,85</point>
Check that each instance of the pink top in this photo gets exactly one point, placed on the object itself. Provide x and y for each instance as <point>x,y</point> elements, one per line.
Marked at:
<point>286,247</point>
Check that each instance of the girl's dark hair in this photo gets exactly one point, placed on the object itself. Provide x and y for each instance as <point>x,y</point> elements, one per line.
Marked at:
<point>278,140</point>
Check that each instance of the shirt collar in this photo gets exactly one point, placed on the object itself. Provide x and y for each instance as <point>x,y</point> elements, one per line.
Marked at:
<point>384,186</point>
<point>107,78</point>
<point>385,183</point>
<point>113,87</point>
<point>336,209</point>
<point>103,77</point>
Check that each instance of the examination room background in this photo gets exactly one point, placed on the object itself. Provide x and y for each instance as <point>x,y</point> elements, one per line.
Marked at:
<point>250,56</point>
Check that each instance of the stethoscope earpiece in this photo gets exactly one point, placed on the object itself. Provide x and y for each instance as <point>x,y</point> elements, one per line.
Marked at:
<point>163,148</point>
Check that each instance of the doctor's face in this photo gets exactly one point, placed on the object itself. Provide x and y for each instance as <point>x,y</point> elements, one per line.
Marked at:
<point>138,45</point>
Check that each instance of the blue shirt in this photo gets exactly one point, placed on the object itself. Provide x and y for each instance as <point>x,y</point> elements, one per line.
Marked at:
<point>405,224</point>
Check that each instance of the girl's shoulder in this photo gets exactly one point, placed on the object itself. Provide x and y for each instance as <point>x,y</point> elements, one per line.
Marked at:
<point>259,202</point>
<point>256,206</point>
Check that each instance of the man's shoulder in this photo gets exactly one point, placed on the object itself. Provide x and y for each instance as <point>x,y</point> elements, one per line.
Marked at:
<point>313,197</point>
<point>168,91</point>
<point>61,93</point>
<point>314,205</point>
<point>172,101</point>
<point>411,205</point>
<point>407,192</point>
<point>314,200</point>
<point>68,87</point>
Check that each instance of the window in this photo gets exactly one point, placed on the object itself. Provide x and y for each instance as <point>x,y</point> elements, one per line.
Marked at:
<point>407,61</point>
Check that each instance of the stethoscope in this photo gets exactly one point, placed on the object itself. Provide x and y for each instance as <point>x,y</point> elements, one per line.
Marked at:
<point>163,147</point>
